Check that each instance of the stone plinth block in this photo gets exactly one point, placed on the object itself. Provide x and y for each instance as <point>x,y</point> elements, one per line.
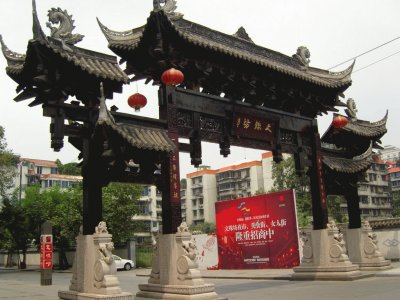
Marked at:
<point>73,295</point>
<point>175,273</point>
<point>363,249</point>
<point>325,258</point>
<point>94,275</point>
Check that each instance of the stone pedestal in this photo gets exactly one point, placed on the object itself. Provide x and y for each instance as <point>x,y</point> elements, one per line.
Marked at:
<point>363,249</point>
<point>174,272</point>
<point>324,257</point>
<point>94,271</point>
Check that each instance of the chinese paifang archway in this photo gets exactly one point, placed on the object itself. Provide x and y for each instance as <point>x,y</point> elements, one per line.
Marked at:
<point>234,93</point>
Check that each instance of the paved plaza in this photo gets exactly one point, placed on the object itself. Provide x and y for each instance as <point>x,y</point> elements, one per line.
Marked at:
<point>233,284</point>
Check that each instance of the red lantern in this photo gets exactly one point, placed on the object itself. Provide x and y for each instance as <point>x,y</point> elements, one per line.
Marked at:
<point>172,77</point>
<point>137,101</point>
<point>339,121</point>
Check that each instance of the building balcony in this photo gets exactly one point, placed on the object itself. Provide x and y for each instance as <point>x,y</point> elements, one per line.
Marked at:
<point>142,218</point>
<point>198,218</point>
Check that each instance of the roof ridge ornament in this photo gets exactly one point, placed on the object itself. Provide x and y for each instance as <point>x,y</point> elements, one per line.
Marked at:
<point>302,56</point>
<point>169,7</point>
<point>66,25</point>
<point>351,110</point>
<point>242,34</point>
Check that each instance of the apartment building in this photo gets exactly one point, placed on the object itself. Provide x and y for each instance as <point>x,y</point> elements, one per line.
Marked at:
<point>394,178</point>
<point>43,172</point>
<point>149,214</point>
<point>374,193</point>
<point>206,186</point>
<point>390,153</point>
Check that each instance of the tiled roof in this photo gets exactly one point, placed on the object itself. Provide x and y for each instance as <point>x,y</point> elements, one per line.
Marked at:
<point>41,162</point>
<point>361,128</point>
<point>393,170</point>
<point>244,165</point>
<point>385,223</point>
<point>200,173</point>
<point>230,45</point>
<point>145,138</point>
<point>61,176</point>
<point>98,64</point>
<point>347,165</point>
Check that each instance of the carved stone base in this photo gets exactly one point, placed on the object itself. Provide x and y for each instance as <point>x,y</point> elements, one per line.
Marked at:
<point>73,295</point>
<point>363,249</point>
<point>175,273</point>
<point>178,292</point>
<point>324,257</point>
<point>94,271</point>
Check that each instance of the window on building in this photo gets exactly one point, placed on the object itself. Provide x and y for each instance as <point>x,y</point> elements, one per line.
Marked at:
<point>54,170</point>
<point>39,170</point>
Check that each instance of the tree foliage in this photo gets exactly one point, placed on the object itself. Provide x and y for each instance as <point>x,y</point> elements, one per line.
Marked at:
<point>285,177</point>
<point>8,163</point>
<point>15,229</point>
<point>205,227</point>
<point>396,203</point>
<point>71,168</point>
<point>119,205</point>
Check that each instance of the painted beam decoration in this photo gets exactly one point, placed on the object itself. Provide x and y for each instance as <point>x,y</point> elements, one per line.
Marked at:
<point>258,232</point>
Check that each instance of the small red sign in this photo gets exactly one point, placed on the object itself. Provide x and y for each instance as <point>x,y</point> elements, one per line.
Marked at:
<point>46,251</point>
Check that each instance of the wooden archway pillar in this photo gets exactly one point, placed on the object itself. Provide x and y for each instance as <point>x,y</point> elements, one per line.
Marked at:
<point>171,200</point>
<point>317,182</point>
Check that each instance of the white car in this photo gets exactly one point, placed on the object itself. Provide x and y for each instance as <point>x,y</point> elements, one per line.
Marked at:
<point>125,264</point>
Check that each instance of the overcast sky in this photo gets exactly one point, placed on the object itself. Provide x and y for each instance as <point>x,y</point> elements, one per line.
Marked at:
<point>333,31</point>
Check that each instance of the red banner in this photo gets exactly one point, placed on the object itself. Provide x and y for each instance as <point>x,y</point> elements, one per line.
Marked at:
<point>258,232</point>
<point>46,251</point>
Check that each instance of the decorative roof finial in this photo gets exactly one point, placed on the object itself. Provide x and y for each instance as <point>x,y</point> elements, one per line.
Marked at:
<point>169,7</point>
<point>351,110</point>
<point>64,30</point>
<point>302,56</point>
<point>242,34</point>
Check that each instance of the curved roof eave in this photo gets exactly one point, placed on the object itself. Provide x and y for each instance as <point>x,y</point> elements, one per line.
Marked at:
<point>129,40</point>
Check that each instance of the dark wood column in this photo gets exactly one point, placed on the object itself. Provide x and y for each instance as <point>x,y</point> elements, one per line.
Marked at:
<point>92,173</point>
<point>353,204</point>
<point>171,201</point>
<point>317,183</point>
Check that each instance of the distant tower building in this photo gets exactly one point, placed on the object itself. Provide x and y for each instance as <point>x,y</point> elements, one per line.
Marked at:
<point>205,187</point>
<point>374,193</point>
<point>149,214</point>
<point>390,153</point>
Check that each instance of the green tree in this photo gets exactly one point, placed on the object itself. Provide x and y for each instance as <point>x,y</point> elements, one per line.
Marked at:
<point>62,208</point>
<point>205,227</point>
<point>15,230</point>
<point>285,177</point>
<point>71,168</point>
<point>119,205</point>
<point>8,162</point>
<point>396,203</point>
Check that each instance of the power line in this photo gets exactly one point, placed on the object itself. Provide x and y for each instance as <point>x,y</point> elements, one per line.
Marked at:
<point>375,62</point>
<point>370,50</point>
